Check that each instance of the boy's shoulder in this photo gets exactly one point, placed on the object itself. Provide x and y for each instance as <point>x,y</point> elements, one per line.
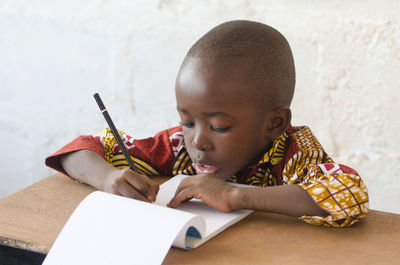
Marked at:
<point>301,143</point>
<point>302,138</point>
<point>296,142</point>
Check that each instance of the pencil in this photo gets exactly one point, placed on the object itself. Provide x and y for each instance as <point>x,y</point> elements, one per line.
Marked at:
<point>114,131</point>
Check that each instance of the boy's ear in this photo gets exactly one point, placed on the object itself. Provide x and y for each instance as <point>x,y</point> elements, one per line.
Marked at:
<point>278,121</point>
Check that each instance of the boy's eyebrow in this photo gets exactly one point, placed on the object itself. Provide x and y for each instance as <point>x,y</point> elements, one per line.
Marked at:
<point>215,113</point>
<point>206,113</point>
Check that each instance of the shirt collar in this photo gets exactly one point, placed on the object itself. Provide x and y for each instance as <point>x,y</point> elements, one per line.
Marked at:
<point>277,152</point>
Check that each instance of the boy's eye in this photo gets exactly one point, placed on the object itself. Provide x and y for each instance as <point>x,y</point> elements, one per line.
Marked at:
<point>220,130</point>
<point>187,124</point>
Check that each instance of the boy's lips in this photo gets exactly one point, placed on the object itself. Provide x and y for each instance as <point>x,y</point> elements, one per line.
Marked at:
<point>204,168</point>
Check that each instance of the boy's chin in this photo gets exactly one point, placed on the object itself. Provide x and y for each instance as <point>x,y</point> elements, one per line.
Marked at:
<point>223,177</point>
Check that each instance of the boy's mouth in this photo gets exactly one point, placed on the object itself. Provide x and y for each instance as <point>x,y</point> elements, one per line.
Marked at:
<point>204,168</point>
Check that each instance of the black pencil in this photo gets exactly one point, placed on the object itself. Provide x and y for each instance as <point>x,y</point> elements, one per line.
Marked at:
<point>114,131</point>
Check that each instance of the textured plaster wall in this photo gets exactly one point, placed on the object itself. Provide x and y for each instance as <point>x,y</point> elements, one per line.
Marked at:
<point>55,54</point>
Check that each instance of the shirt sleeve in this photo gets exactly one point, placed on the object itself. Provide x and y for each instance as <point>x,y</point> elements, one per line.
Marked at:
<point>339,190</point>
<point>83,142</point>
<point>151,156</point>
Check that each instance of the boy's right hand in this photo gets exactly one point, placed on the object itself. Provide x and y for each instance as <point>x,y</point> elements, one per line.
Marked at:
<point>127,183</point>
<point>89,167</point>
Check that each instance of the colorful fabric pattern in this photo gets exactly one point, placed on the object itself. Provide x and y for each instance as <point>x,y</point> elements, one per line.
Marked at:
<point>114,156</point>
<point>296,157</point>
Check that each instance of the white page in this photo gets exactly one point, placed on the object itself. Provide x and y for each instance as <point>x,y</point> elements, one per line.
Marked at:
<point>215,221</point>
<point>110,229</point>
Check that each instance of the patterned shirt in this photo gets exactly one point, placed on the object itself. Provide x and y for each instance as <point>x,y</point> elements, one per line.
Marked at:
<point>296,157</point>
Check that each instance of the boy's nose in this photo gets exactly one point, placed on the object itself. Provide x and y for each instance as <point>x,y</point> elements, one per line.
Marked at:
<point>200,142</point>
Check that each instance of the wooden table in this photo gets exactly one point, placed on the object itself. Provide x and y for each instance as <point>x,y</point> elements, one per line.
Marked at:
<point>31,219</point>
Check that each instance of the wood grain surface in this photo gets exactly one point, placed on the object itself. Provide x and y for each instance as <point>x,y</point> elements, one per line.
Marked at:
<point>32,218</point>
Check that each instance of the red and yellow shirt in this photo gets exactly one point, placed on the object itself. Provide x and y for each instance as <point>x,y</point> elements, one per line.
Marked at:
<point>296,157</point>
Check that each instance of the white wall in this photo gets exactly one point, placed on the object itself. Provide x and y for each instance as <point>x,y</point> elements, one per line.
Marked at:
<point>55,54</point>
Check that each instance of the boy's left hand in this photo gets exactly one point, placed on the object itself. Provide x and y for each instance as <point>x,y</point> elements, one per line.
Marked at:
<point>207,187</point>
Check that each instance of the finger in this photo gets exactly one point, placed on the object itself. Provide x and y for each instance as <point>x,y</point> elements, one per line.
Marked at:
<point>185,183</point>
<point>153,190</point>
<point>182,196</point>
<point>137,182</point>
<point>126,190</point>
<point>142,184</point>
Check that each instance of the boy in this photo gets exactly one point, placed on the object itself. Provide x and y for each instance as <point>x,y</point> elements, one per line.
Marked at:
<point>233,93</point>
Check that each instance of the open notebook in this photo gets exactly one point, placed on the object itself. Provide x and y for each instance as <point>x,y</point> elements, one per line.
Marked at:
<point>110,229</point>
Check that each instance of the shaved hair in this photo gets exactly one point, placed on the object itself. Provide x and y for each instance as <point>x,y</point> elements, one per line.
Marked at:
<point>262,51</point>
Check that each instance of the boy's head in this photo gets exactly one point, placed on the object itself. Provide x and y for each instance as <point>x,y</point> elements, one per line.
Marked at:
<point>233,93</point>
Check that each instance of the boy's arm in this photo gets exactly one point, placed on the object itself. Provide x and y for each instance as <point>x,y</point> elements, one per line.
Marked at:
<point>97,161</point>
<point>335,199</point>
<point>288,199</point>
<point>89,167</point>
